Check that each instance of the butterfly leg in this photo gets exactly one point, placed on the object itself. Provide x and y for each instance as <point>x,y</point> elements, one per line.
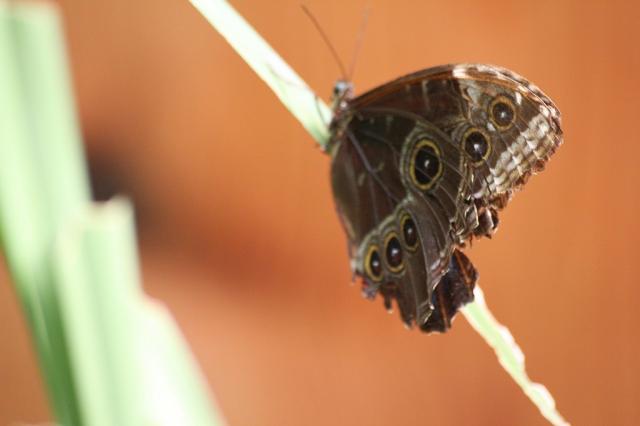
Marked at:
<point>487,222</point>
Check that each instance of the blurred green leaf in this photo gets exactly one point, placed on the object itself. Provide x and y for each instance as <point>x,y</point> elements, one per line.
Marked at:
<point>132,365</point>
<point>109,356</point>
<point>95,267</point>
<point>42,176</point>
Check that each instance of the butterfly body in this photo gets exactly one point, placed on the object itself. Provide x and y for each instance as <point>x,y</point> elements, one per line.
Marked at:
<point>422,165</point>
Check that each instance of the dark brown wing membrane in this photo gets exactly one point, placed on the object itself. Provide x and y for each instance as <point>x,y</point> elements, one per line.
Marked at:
<point>408,283</point>
<point>454,291</point>
<point>374,195</point>
<point>365,178</point>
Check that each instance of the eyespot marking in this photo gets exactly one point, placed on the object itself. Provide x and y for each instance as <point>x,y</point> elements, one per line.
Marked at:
<point>425,167</point>
<point>476,144</point>
<point>409,231</point>
<point>502,112</point>
<point>373,263</point>
<point>393,252</point>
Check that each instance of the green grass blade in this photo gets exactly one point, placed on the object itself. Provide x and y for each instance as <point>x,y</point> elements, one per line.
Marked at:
<point>510,356</point>
<point>178,394</point>
<point>37,127</point>
<point>247,43</point>
<point>97,281</point>
<point>132,365</point>
<point>270,67</point>
<point>75,265</point>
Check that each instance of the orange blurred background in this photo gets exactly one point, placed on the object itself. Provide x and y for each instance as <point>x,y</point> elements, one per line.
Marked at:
<point>238,234</point>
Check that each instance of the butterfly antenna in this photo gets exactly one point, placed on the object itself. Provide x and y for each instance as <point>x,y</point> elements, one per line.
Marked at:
<point>359,40</point>
<point>326,40</point>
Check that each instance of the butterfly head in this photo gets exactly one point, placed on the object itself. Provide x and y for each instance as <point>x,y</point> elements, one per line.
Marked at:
<point>342,92</point>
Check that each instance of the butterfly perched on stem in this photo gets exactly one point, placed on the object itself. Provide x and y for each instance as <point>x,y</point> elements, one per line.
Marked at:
<point>422,165</point>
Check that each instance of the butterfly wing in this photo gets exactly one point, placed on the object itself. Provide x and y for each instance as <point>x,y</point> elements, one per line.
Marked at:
<point>505,126</point>
<point>436,153</point>
<point>454,290</point>
<point>398,183</point>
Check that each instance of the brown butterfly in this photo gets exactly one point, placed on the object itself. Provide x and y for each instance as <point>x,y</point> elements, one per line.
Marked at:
<point>421,165</point>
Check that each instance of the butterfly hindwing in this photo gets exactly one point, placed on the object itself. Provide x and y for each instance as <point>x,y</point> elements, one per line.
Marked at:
<point>393,174</point>
<point>511,130</point>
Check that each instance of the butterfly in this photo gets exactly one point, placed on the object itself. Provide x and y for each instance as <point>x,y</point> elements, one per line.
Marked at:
<point>421,166</point>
